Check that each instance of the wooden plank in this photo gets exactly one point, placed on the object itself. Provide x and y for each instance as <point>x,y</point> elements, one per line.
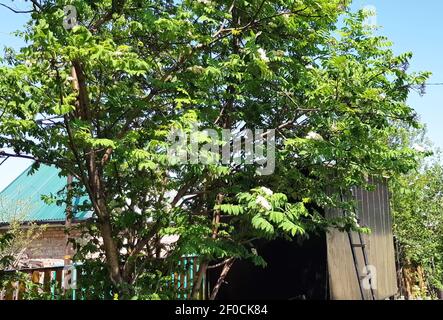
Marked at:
<point>35,277</point>
<point>9,292</point>
<point>20,290</point>
<point>392,286</point>
<point>195,265</point>
<point>373,209</point>
<point>59,278</point>
<point>373,214</point>
<point>182,280</point>
<point>47,280</point>
<point>185,278</point>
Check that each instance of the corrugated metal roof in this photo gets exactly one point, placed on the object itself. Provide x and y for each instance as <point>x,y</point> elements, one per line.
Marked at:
<point>24,197</point>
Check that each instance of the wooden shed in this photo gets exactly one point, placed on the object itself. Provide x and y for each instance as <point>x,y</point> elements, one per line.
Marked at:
<point>336,265</point>
<point>348,268</point>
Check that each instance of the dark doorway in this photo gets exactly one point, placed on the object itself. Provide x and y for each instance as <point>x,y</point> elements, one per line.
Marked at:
<point>296,270</point>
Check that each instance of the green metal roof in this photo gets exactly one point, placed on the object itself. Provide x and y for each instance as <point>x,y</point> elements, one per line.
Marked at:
<point>23,198</point>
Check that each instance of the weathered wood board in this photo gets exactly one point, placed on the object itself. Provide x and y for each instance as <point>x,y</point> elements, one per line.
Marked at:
<point>373,210</point>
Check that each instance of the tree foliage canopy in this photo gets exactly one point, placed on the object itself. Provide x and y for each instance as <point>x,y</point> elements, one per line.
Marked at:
<point>416,201</point>
<point>98,101</point>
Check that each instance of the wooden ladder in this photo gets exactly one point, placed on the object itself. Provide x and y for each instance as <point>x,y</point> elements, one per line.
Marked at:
<point>362,245</point>
<point>360,277</point>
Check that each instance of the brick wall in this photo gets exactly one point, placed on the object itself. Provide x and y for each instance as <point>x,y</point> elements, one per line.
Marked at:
<point>51,244</point>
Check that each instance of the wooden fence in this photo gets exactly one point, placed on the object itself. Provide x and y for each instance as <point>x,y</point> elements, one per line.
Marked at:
<point>57,282</point>
<point>49,281</point>
<point>183,281</point>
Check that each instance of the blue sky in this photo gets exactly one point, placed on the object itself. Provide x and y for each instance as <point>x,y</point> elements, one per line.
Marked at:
<point>10,22</point>
<point>412,25</point>
<point>417,26</point>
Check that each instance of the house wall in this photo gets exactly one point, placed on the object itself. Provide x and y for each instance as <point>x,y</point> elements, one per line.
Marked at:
<point>48,249</point>
<point>51,244</point>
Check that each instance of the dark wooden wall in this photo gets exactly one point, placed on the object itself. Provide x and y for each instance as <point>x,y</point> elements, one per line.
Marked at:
<point>373,209</point>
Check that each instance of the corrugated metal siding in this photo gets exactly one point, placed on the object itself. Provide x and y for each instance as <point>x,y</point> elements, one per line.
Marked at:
<point>26,192</point>
<point>373,209</point>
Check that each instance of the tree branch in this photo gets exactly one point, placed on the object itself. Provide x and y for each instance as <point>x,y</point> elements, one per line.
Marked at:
<point>117,7</point>
<point>37,4</point>
<point>16,155</point>
<point>222,278</point>
<point>16,11</point>
<point>129,265</point>
<point>214,266</point>
<point>222,27</point>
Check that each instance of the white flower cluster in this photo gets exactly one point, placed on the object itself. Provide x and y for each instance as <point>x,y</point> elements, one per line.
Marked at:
<point>418,148</point>
<point>263,203</point>
<point>267,191</point>
<point>314,136</point>
<point>262,54</point>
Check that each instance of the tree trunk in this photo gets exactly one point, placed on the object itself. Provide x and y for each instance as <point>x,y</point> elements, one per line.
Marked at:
<point>111,251</point>
<point>204,265</point>
<point>222,278</point>
<point>68,222</point>
<point>96,189</point>
<point>198,283</point>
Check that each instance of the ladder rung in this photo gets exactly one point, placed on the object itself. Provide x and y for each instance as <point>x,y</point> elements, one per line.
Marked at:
<point>355,245</point>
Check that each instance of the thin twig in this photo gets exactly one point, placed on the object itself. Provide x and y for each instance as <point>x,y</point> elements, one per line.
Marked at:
<point>16,11</point>
<point>220,264</point>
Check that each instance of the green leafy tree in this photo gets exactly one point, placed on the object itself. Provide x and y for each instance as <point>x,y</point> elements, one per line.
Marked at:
<point>16,242</point>
<point>98,100</point>
<point>417,201</point>
<point>15,237</point>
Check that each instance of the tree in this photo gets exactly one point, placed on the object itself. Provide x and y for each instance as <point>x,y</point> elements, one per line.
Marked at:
<point>16,239</point>
<point>99,100</point>
<point>16,243</point>
<point>418,222</point>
